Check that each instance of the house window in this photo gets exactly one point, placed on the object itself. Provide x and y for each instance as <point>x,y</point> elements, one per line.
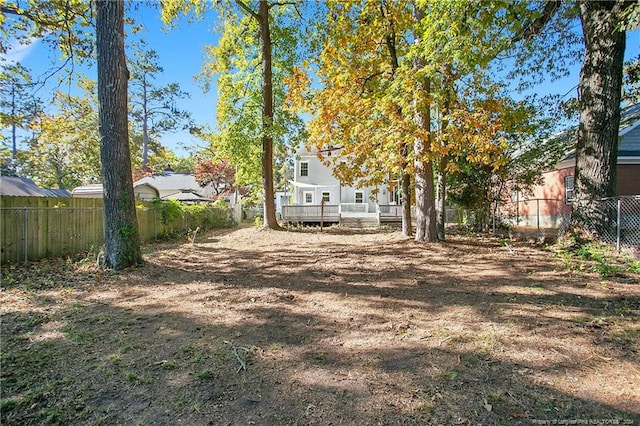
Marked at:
<point>568,189</point>
<point>325,197</point>
<point>308,197</point>
<point>359,197</point>
<point>304,169</point>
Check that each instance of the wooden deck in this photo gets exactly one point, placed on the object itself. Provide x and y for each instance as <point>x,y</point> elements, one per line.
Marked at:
<point>333,213</point>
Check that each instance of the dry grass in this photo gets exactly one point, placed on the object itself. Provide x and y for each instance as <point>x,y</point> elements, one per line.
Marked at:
<point>333,328</point>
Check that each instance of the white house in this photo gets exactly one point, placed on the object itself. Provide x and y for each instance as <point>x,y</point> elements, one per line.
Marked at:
<point>317,195</point>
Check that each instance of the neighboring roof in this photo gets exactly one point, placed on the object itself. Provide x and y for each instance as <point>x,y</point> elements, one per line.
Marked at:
<point>186,196</point>
<point>627,148</point>
<point>19,186</point>
<point>169,180</point>
<point>630,119</point>
<point>327,151</point>
<point>153,188</point>
<point>93,189</point>
<point>304,151</point>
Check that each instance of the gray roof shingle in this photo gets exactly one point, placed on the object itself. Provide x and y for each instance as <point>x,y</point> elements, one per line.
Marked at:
<point>19,186</point>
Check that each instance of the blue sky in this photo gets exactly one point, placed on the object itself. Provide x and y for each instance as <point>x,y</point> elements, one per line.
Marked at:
<point>181,54</point>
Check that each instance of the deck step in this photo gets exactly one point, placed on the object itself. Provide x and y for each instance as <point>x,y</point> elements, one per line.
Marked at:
<point>359,222</point>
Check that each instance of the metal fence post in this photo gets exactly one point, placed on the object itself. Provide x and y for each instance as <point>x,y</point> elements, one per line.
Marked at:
<point>538,215</point>
<point>493,214</point>
<point>618,226</point>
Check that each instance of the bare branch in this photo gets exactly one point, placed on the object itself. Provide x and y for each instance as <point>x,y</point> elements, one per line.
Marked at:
<point>284,3</point>
<point>367,79</point>
<point>535,26</point>
<point>247,9</point>
<point>33,17</point>
<point>236,352</point>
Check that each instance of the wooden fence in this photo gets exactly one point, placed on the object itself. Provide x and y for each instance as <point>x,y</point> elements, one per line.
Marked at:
<point>33,228</point>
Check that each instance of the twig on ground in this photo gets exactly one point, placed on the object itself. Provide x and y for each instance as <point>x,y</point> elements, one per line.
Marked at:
<point>236,349</point>
<point>508,247</point>
<point>192,238</point>
<point>444,340</point>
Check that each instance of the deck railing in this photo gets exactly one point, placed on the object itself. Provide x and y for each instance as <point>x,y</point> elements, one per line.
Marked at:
<point>354,207</point>
<point>333,212</point>
<point>310,212</point>
<point>388,210</point>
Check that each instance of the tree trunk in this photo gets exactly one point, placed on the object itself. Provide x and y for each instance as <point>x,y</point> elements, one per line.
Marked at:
<point>145,124</point>
<point>441,193</point>
<point>600,95</point>
<point>121,240</point>
<point>441,211</point>
<point>145,144</point>
<point>14,143</point>
<point>270,220</point>
<point>425,197</point>
<point>407,227</point>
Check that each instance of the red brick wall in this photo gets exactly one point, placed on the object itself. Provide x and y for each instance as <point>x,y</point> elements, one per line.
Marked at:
<point>628,179</point>
<point>546,202</point>
<point>551,194</point>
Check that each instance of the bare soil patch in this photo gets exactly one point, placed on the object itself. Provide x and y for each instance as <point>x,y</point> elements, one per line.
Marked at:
<point>306,328</point>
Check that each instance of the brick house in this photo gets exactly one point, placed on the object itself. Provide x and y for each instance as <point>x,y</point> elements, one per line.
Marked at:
<point>549,203</point>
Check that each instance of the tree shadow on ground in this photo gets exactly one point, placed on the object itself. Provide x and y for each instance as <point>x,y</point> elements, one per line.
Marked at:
<point>397,334</point>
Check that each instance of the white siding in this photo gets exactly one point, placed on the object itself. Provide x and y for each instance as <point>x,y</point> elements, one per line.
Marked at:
<point>319,174</point>
<point>145,192</point>
<point>322,177</point>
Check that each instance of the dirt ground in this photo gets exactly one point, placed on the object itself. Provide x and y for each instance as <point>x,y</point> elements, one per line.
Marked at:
<point>254,327</point>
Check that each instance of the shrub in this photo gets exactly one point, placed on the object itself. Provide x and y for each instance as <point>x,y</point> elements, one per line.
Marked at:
<point>204,216</point>
<point>171,210</point>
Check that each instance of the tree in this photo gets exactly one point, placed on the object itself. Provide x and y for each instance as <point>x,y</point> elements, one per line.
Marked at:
<point>493,153</point>
<point>600,97</point>
<point>122,243</point>
<point>631,91</point>
<point>250,123</point>
<point>600,86</point>
<point>66,26</point>
<point>425,198</point>
<point>18,105</point>
<point>357,108</point>
<point>221,176</point>
<point>372,102</point>
<point>262,16</point>
<point>153,108</point>
<point>65,152</point>
<point>462,44</point>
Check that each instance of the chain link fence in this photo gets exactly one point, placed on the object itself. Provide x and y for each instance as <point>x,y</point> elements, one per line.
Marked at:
<point>616,219</point>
